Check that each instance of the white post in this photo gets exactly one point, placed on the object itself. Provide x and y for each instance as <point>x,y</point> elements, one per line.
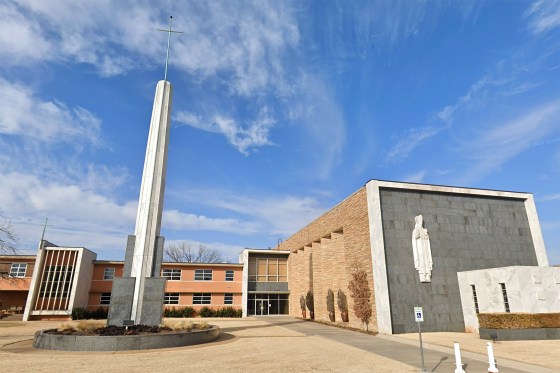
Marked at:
<point>458,362</point>
<point>492,363</point>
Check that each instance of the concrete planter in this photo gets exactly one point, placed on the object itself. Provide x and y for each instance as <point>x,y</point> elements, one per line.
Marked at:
<point>520,334</point>
<point>123,342</point>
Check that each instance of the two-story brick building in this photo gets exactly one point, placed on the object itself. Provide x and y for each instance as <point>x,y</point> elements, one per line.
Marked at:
<point>483,251</point>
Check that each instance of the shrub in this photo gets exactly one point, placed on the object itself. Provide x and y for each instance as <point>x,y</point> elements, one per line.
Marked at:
<point>179,312</point>
<point>330,301</point>
<point>201,325</point>
<point>227,311</point>
<point>359,290</point>
<point>178,325</point>
<point>81,326</point>
<point>309,301</point>
<point>100,313</point>
<point>341,301</point>
<point>302,302</point>
<point>518,320</point>
<point>81,313</point>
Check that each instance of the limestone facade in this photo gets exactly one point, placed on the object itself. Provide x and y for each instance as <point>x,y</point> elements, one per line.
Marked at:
<point>323,255</point>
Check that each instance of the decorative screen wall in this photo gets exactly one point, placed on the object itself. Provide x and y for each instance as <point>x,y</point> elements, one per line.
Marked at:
<point>57,277</point>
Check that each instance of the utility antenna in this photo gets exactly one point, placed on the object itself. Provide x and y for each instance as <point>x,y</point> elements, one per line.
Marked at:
<point>169,31</point>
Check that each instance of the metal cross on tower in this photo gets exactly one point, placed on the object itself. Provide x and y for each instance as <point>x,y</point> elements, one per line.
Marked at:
<point>169,31</point>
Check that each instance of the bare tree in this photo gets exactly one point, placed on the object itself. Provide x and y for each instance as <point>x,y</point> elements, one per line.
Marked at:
<point>182,251</point>
<point>360,291</point>
<point>8,238</point>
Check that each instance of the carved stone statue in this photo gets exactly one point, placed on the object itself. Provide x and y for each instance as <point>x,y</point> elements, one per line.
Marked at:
<point>421,250</point>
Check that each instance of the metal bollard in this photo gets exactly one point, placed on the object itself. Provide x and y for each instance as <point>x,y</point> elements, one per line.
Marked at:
<point>458,362</point>
<point>492,363</point>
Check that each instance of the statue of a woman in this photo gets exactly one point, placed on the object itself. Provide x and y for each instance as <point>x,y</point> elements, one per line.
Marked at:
<point>421,250</point>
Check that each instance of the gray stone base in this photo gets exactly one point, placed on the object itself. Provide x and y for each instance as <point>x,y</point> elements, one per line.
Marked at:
<point>520,334</point>
<point>122,296</point>
<point>152,301</point>
<point>123,342</point>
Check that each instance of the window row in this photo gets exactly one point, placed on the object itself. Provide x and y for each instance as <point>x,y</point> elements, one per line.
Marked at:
<point>268,269</point>
<point>174,274</point>
<point>173,298</point>
<point>18,269</point>
<point>198,298</point>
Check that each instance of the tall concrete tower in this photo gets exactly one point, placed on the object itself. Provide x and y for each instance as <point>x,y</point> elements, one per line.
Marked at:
<point>139,294</point>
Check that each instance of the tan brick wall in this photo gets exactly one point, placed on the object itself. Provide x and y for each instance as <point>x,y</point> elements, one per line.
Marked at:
<point>322,254</point>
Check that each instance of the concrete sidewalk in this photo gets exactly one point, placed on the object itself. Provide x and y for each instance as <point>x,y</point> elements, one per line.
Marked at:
<point>437,359</point>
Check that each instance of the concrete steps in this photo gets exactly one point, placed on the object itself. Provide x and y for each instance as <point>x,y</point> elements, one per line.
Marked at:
<point>13,317</point>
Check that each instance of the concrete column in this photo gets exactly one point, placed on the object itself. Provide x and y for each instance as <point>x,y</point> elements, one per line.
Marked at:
<point>150,205</point>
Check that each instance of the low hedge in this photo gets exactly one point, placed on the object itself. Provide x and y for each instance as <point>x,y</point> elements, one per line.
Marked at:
<point>518,320</point>
<point>179,312</point>
<point>203,312</point>
<point>220,312</point>
<point>81,313</point>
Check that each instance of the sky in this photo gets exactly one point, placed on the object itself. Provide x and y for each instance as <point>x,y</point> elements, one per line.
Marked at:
<point>281,109</point>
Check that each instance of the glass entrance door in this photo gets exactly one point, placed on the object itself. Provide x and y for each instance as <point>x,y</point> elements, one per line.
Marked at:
<point>272,304</point>
<point>262,307</point>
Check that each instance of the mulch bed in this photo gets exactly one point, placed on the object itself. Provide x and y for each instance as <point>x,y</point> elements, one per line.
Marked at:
<point>114,330</point>
<point>338,325</point>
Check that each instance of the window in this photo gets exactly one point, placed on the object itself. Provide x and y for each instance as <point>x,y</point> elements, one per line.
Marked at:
<point>109,273</point>
<point>228,298</point>
<point>171,298</point>
<point>56,281</point>
<point>203,275</point>
<point>268,269</point>
<point>18,269</point>
<point>475,298</point>
<point>202,298</point>
<point>105,298</point>
<point>504,294</point>
<point>171,274</point>
<point>229,275</point>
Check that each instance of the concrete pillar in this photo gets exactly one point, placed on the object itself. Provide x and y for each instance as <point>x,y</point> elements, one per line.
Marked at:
<point>144,260</point>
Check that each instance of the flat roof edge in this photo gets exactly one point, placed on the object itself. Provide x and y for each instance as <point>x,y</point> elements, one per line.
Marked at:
<point>448,188</point>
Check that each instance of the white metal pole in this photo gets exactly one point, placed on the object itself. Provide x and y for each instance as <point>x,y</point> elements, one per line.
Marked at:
<point>458,362</point>
<point>492,363</point>
<point>421,347</point>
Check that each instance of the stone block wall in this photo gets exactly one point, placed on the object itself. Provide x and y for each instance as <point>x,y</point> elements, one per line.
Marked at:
<point>323,254</point>
<point>467,232</point>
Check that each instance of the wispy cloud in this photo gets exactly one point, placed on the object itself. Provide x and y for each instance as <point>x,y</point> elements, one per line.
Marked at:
<point>243,42</point>
<point>502,141</point>
<point>243,137</point>
<point>177,220</point>
<point>82,217</point>
<point>321,117</point>
<point>442,120</point>
<point>24,114</point>
<point>413,139</point>
<point>550,197</point>
<point>543,15</point>
<point>276,214</point>
<point>417,177</point>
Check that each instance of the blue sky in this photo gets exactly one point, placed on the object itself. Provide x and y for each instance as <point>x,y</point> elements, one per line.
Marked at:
<point>281,109</point>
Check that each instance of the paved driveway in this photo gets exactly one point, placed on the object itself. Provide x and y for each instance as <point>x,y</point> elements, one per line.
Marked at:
<point>435,361</point>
